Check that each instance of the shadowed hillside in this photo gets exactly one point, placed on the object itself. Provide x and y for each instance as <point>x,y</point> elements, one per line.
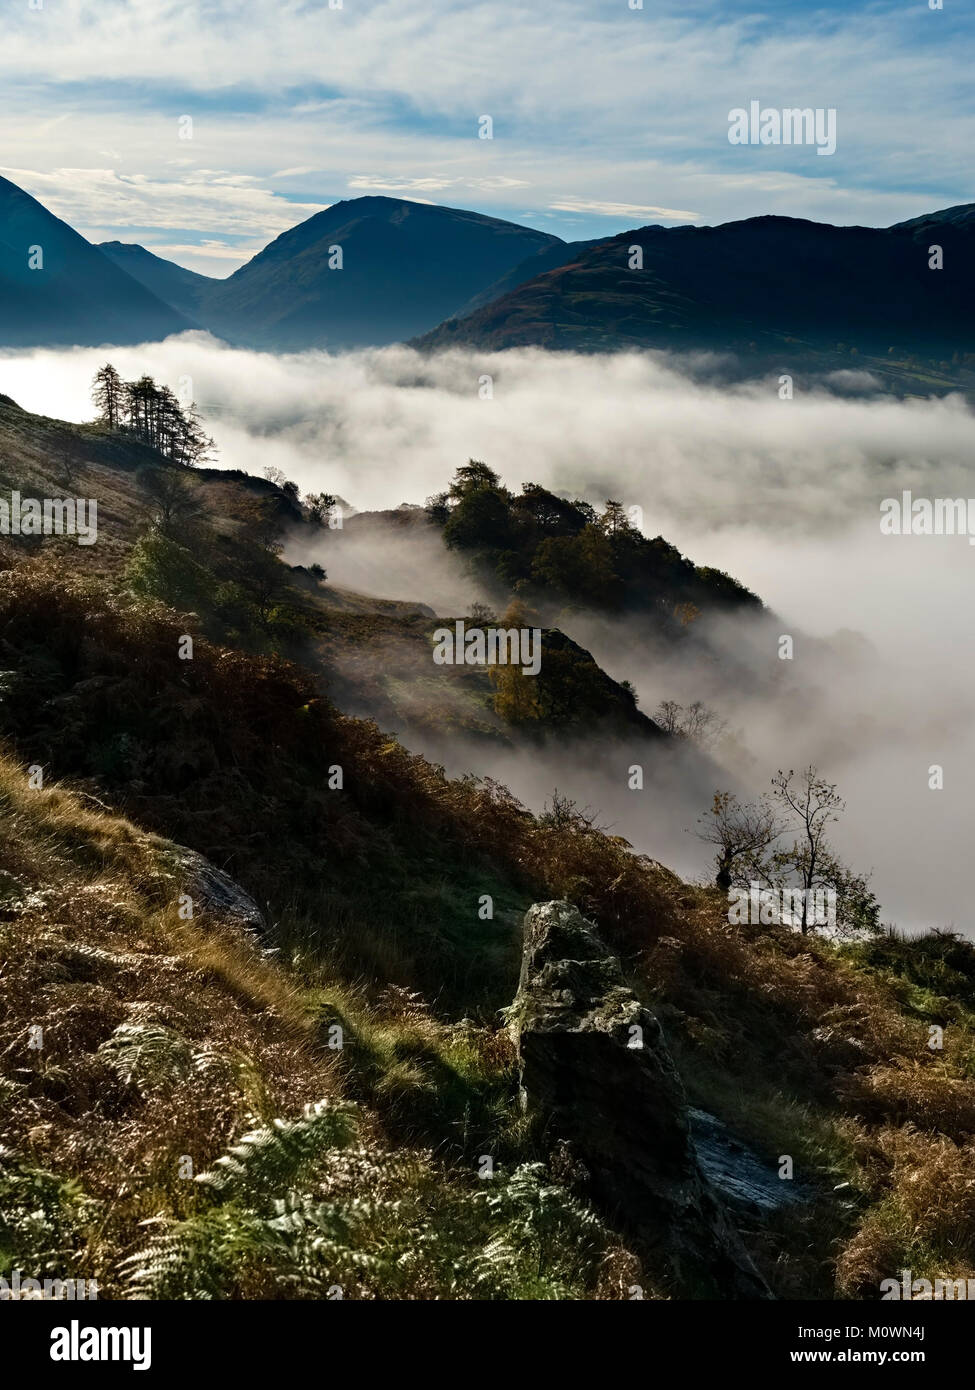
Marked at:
<point>57,289</point>
<point>773,290</point>
<point>335,1070</point>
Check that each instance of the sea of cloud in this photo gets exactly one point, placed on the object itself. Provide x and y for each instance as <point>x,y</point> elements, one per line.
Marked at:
<point>784,494</point>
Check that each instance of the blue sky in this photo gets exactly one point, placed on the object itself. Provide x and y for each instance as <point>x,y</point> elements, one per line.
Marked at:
<point>604,117</point>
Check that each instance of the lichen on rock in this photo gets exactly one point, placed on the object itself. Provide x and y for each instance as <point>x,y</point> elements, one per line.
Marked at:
<point>593,1059</point>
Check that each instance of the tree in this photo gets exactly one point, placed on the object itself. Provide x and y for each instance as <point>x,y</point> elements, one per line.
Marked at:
<point>438,507</point>
<point>140,407</point>
<point>194,447</point>
<point>579,566</point>
<point>153,414</point>
<point>481,615</point>
<point>741,832</point>
<point>480,521</point>
<point>160,567</point>
<point>806,805</point>
<point>259,570</point>
<point>175,502</point>
<point>107,391</point>
<point>516,696</point>
<point>695,722</point>
<point>471,477</point>
<point>565,814</point>
<point>547,513</point>
<point>614,520</point>
<point>814,805</point>
<point>319,507</point>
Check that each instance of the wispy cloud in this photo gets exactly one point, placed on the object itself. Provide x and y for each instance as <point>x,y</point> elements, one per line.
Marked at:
<point>99,201</point>
<point>623,210</point>
<point>592,105</point>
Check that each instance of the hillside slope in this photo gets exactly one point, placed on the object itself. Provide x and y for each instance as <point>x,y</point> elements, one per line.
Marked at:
<point>136,1040</point>
<point>163,1040</point>
<point>184,290</point>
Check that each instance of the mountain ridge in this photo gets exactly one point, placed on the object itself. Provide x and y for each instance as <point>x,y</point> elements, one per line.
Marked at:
<point>57,289</point>
<point>769,288</point>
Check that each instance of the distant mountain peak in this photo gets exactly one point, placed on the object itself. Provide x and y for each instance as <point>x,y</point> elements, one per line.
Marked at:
<point>69,293</point>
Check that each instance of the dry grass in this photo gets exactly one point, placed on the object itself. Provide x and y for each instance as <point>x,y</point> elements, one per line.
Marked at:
<point>803,1047</point>
<point>90,942</point>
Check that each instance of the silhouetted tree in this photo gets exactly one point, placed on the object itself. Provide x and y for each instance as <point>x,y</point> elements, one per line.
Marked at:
<point>108,392</point>
<point>740,832</point>
<point>154,415</point>
<point>174,499</point>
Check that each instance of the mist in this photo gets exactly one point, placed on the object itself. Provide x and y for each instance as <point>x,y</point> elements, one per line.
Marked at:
<point>783,494</point>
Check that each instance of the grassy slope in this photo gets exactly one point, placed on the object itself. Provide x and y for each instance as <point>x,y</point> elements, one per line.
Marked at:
<point>805,1049</point>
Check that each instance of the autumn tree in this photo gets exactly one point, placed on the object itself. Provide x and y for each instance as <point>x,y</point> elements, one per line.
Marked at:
<point>516,696</point>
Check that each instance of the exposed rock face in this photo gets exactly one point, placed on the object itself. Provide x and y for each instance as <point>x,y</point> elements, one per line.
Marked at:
<point>212,889</point>
<point>744,1180</point>
<point>594,1059</point>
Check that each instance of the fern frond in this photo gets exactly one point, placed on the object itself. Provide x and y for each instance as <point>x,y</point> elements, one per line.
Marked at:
<point>147,1054</point>
<point>272,1157</point>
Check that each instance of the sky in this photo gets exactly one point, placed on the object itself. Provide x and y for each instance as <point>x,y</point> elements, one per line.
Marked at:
<point>203,130</point>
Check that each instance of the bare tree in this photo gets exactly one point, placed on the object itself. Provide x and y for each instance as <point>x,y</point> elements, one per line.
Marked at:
<point>815,804</point>
<point>695,722</point>
<point>742,833</point>
<point>566,814</point>
<point>481,615</point>
<point>806,805</point>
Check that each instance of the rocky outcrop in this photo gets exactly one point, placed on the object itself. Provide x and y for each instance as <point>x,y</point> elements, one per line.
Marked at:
<point>214,891</point>
<point>594,1061</point>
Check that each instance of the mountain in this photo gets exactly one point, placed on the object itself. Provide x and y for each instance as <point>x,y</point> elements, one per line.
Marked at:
<point>184,290</point>
<point>766,291</point>
<point>75,296</point>
<point>778,286</point>
<point>548,258</point>
<point>405,267</point>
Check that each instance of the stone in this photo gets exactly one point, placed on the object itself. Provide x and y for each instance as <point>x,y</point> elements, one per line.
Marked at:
<point>593,1060</point>
<point>214,891</point>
